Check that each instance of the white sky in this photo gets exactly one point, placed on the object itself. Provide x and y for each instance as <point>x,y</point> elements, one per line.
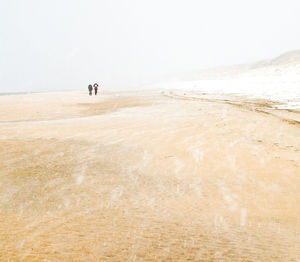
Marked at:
<point>67,44</point>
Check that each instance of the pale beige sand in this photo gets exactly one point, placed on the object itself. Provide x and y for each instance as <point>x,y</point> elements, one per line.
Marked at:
<point>147,178</point>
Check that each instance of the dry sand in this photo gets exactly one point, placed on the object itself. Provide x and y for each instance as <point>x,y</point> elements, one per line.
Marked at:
<point>152,177</point>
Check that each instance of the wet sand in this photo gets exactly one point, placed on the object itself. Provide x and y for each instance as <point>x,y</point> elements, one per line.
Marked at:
<point>148,177</point>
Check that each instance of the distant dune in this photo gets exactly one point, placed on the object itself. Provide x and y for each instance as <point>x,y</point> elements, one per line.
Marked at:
<point>286,59</point>
<point>286,63</point>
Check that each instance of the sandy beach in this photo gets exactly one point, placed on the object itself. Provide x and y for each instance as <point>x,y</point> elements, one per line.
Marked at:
<point>148,176</point>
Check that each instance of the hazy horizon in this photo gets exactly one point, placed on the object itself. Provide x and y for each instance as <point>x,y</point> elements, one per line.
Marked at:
<point>61,45</point>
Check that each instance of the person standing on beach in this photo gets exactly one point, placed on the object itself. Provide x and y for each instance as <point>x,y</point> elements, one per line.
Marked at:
<point>96,88</point>
<point>90,87</point>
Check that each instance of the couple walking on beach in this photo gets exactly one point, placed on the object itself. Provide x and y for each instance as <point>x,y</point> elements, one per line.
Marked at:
<point>90,87</point>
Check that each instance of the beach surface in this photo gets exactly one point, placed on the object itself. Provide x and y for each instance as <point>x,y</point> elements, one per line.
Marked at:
<point>148,176</point>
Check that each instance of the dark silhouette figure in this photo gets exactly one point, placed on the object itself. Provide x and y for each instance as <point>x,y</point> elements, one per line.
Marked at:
<point>96,88</point>
<point>90,87</point>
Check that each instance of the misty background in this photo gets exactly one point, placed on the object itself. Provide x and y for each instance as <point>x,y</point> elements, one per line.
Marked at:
<point>67,44</point>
